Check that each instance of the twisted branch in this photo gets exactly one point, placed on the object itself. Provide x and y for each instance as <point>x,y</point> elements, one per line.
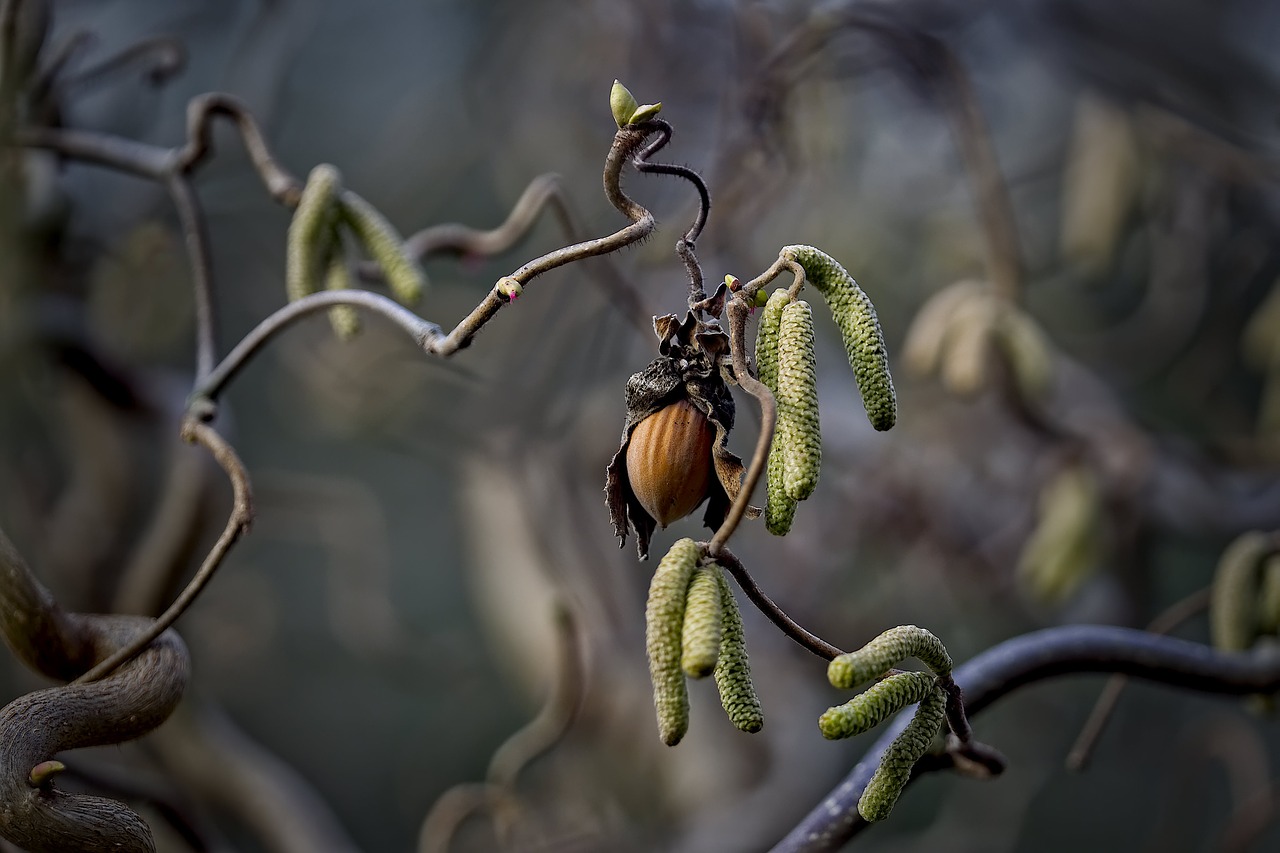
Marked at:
<point>33,728</point>
<point>1032,657</point>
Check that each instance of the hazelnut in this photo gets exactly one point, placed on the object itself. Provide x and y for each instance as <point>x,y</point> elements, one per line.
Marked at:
<point>669,461</point>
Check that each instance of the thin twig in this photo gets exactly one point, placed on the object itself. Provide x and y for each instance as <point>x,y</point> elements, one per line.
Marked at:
<point>663,129</point>
<point>195,229</point>
<point>542,193</point>
<point>423,333</point>
<point>164,56</point>
<point>201,111</point>
<point>1177,613</point>
<point>776,615</point>
<point>739,308</point>
<point>497,794</point>
<point>238,522</point>
<point>625,142</point>
<point>991,195</point>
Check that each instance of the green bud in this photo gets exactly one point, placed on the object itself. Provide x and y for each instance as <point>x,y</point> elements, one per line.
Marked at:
<point>883,653</point>
<point>882,792</point>
<point>703,618</point>
<point>42,774</point>
<point>622,103</point>
<point>1234,606</point>
<point>384,244</point>
<point>312,232</point>
<point>664,627</point>
<point>733,670</point>
<point>856,317</point>
<point>876,704</point>
<point>644,112</point>
<point>762,298</point>
<point>508,289</point>
<point>798,402</point>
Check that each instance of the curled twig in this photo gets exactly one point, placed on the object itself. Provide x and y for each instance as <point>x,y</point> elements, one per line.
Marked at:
<point>131,702</point>
<point>237,524</point>
<point>497,794</point>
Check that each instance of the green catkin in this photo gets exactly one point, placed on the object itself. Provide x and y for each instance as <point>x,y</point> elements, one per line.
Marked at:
<point>311,232</point>
<point>1233,607</point>
<point>703,620</point>
<point>344,319</point>
<point>848,670</point>
<point>1269,597</point>
<point>733,670</point>
<point>881,793</point>
<point>779,510</point>
<point>1062,551</point>
<point>664,627</point>
<point>856,317</point>
<point>1027,350</point>
<point>798,402</point>
<point>876,704</point>
<point>386,247</point>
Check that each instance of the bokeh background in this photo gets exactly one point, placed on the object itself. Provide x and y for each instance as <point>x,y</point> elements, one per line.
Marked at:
<point>388,622</point>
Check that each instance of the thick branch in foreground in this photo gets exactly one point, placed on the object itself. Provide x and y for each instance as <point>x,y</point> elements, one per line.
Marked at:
<point>1033,657</point>
<point>33,728</point>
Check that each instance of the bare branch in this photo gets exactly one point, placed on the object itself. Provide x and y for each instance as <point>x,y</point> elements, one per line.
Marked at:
<point>237,524</point>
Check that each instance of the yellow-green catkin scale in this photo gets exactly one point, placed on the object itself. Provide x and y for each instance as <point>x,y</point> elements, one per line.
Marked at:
<point>882,792</point>
<point>1062,551</point>
<point>1269,597</point>
<point>385,245</point>
<point>311,232</point>
<point>1233,609</point>
<point>1028,352</point>
<point>733,670</point>
<point>664,627</point>
<point>703,618</point>
<point>779,510</point>
<point>798,401</point>
<point>850,669</point>
<point>344,318</point>
<point>863,341</point>
<point>876,704</point>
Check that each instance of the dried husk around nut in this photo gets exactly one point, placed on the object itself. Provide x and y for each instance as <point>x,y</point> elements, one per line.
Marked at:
<point>668,380</point>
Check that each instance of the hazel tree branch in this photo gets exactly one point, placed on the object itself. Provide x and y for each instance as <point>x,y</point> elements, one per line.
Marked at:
<point>738,309</point>
<point>237,524</point>
<point>1033,657</point>
<point>33,728</point>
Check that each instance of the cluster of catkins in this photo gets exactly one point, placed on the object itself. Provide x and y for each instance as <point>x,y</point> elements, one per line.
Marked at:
<point>786,364</point>
<point>316,252</point>
<point>892,692</point>
<point>693,628</point>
